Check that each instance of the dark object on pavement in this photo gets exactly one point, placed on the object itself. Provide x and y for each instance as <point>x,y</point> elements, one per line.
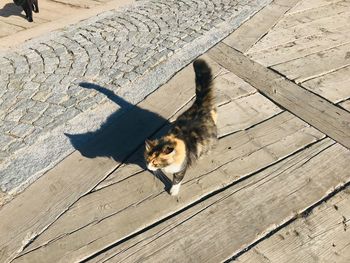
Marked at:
<point>29,6</point>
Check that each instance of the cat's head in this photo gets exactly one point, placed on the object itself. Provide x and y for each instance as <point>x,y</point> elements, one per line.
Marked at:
<point>163,152</point>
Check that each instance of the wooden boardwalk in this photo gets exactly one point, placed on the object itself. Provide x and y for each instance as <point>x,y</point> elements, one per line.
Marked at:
<point>275,189</point>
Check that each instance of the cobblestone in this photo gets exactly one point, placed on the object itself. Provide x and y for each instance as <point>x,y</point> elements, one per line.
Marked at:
<point>39,83</point>
<point>21,130</point>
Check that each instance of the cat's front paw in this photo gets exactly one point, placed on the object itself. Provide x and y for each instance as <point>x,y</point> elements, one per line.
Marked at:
<point>175,189</point>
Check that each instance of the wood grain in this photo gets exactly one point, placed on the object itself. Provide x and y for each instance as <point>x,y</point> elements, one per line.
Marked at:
<point>346,105</point>
<point>313,109</point>
<point>317,64</point>
<point>313,14</point>
<point>301,47</point>
<point>251,31</point>
<point>334,86</point>
<point>306,5</point>
<point>322,236</point>
<point>232,220</point>
<point>287,35</point>
<point>115,212</point>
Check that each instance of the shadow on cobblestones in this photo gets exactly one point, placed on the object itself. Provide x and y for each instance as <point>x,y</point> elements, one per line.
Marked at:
<point>121,134</point>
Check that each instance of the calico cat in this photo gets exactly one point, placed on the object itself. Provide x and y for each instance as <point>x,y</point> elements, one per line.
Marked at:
<point>28,6</point>
<point>191,135</point>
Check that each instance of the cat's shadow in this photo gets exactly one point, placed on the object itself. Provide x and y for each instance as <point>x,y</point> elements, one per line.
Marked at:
<point>10,9</point>
<point>121,137</point>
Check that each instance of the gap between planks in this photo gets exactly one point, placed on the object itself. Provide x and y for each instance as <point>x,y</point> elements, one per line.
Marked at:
<point>140,201</point>
<point>256,27</point>
<point>237,217</point>
<point>315,110</point>
<point>320,236</point>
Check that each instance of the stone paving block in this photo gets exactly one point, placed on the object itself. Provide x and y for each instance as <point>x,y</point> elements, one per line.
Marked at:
<point>6,126</point>
<point>29,117</point>
<point>69,103</point>
<point>54,110</point>
<point>39,107</point>
<point>15,146</point>
<point>15,115</point>
<point>21,130</point>
<point>42,95</point>
<point>5,140</point>
<point>43,121</point>
<point>32,138</point>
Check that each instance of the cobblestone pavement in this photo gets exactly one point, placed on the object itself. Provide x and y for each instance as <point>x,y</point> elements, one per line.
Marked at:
<point>39,83</point>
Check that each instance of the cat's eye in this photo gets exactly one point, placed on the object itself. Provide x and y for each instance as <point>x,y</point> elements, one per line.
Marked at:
<point>168,150</point>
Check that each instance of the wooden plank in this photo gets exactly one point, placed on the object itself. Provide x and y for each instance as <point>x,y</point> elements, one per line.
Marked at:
<point>115,212</point>
<point>57,190</point>
<point>317,64</point>
<point>79,3</point>
<point>242,113</point>
<point>313,14</point>
<point>229,87</point>
<point>301,47</point>
<point>313,109</point>
<point>320,237</point>
<point>306,5</point>
<point>251,31</point>
<point>286,35</point>
<point>232,220</point>
<point>346,105</point>
<point>334,86</point>
<point>6,28</point>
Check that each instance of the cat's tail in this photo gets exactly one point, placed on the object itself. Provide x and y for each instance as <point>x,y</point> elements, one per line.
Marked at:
<point>204,79</point>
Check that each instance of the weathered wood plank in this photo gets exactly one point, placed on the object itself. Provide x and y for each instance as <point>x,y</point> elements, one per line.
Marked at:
<point>313,109</point>
<point>242,113</point>
<point>317,64</point>
<point>301,47</point>
<point>57,190</point>
<point>233,219</point>
<point>346,105</point>
<point>115,212</point>
<point>306,5</point>
<point>251,31</point>
<point>320,237</point>
<point>6,28</point>
<point>229,87</point>
<point>334,86</point>
<point>286,35</point>
<point>313,14</point>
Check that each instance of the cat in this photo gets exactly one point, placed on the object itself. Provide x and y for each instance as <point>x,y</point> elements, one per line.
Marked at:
<point>192,134</point>
<point>28,6</point>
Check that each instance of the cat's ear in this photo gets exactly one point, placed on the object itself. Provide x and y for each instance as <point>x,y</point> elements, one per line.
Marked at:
<point>148,144</point>
<point>168,150</point>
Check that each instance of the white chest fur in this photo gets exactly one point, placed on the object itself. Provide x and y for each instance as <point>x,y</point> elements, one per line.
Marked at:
<point>173,168</point>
